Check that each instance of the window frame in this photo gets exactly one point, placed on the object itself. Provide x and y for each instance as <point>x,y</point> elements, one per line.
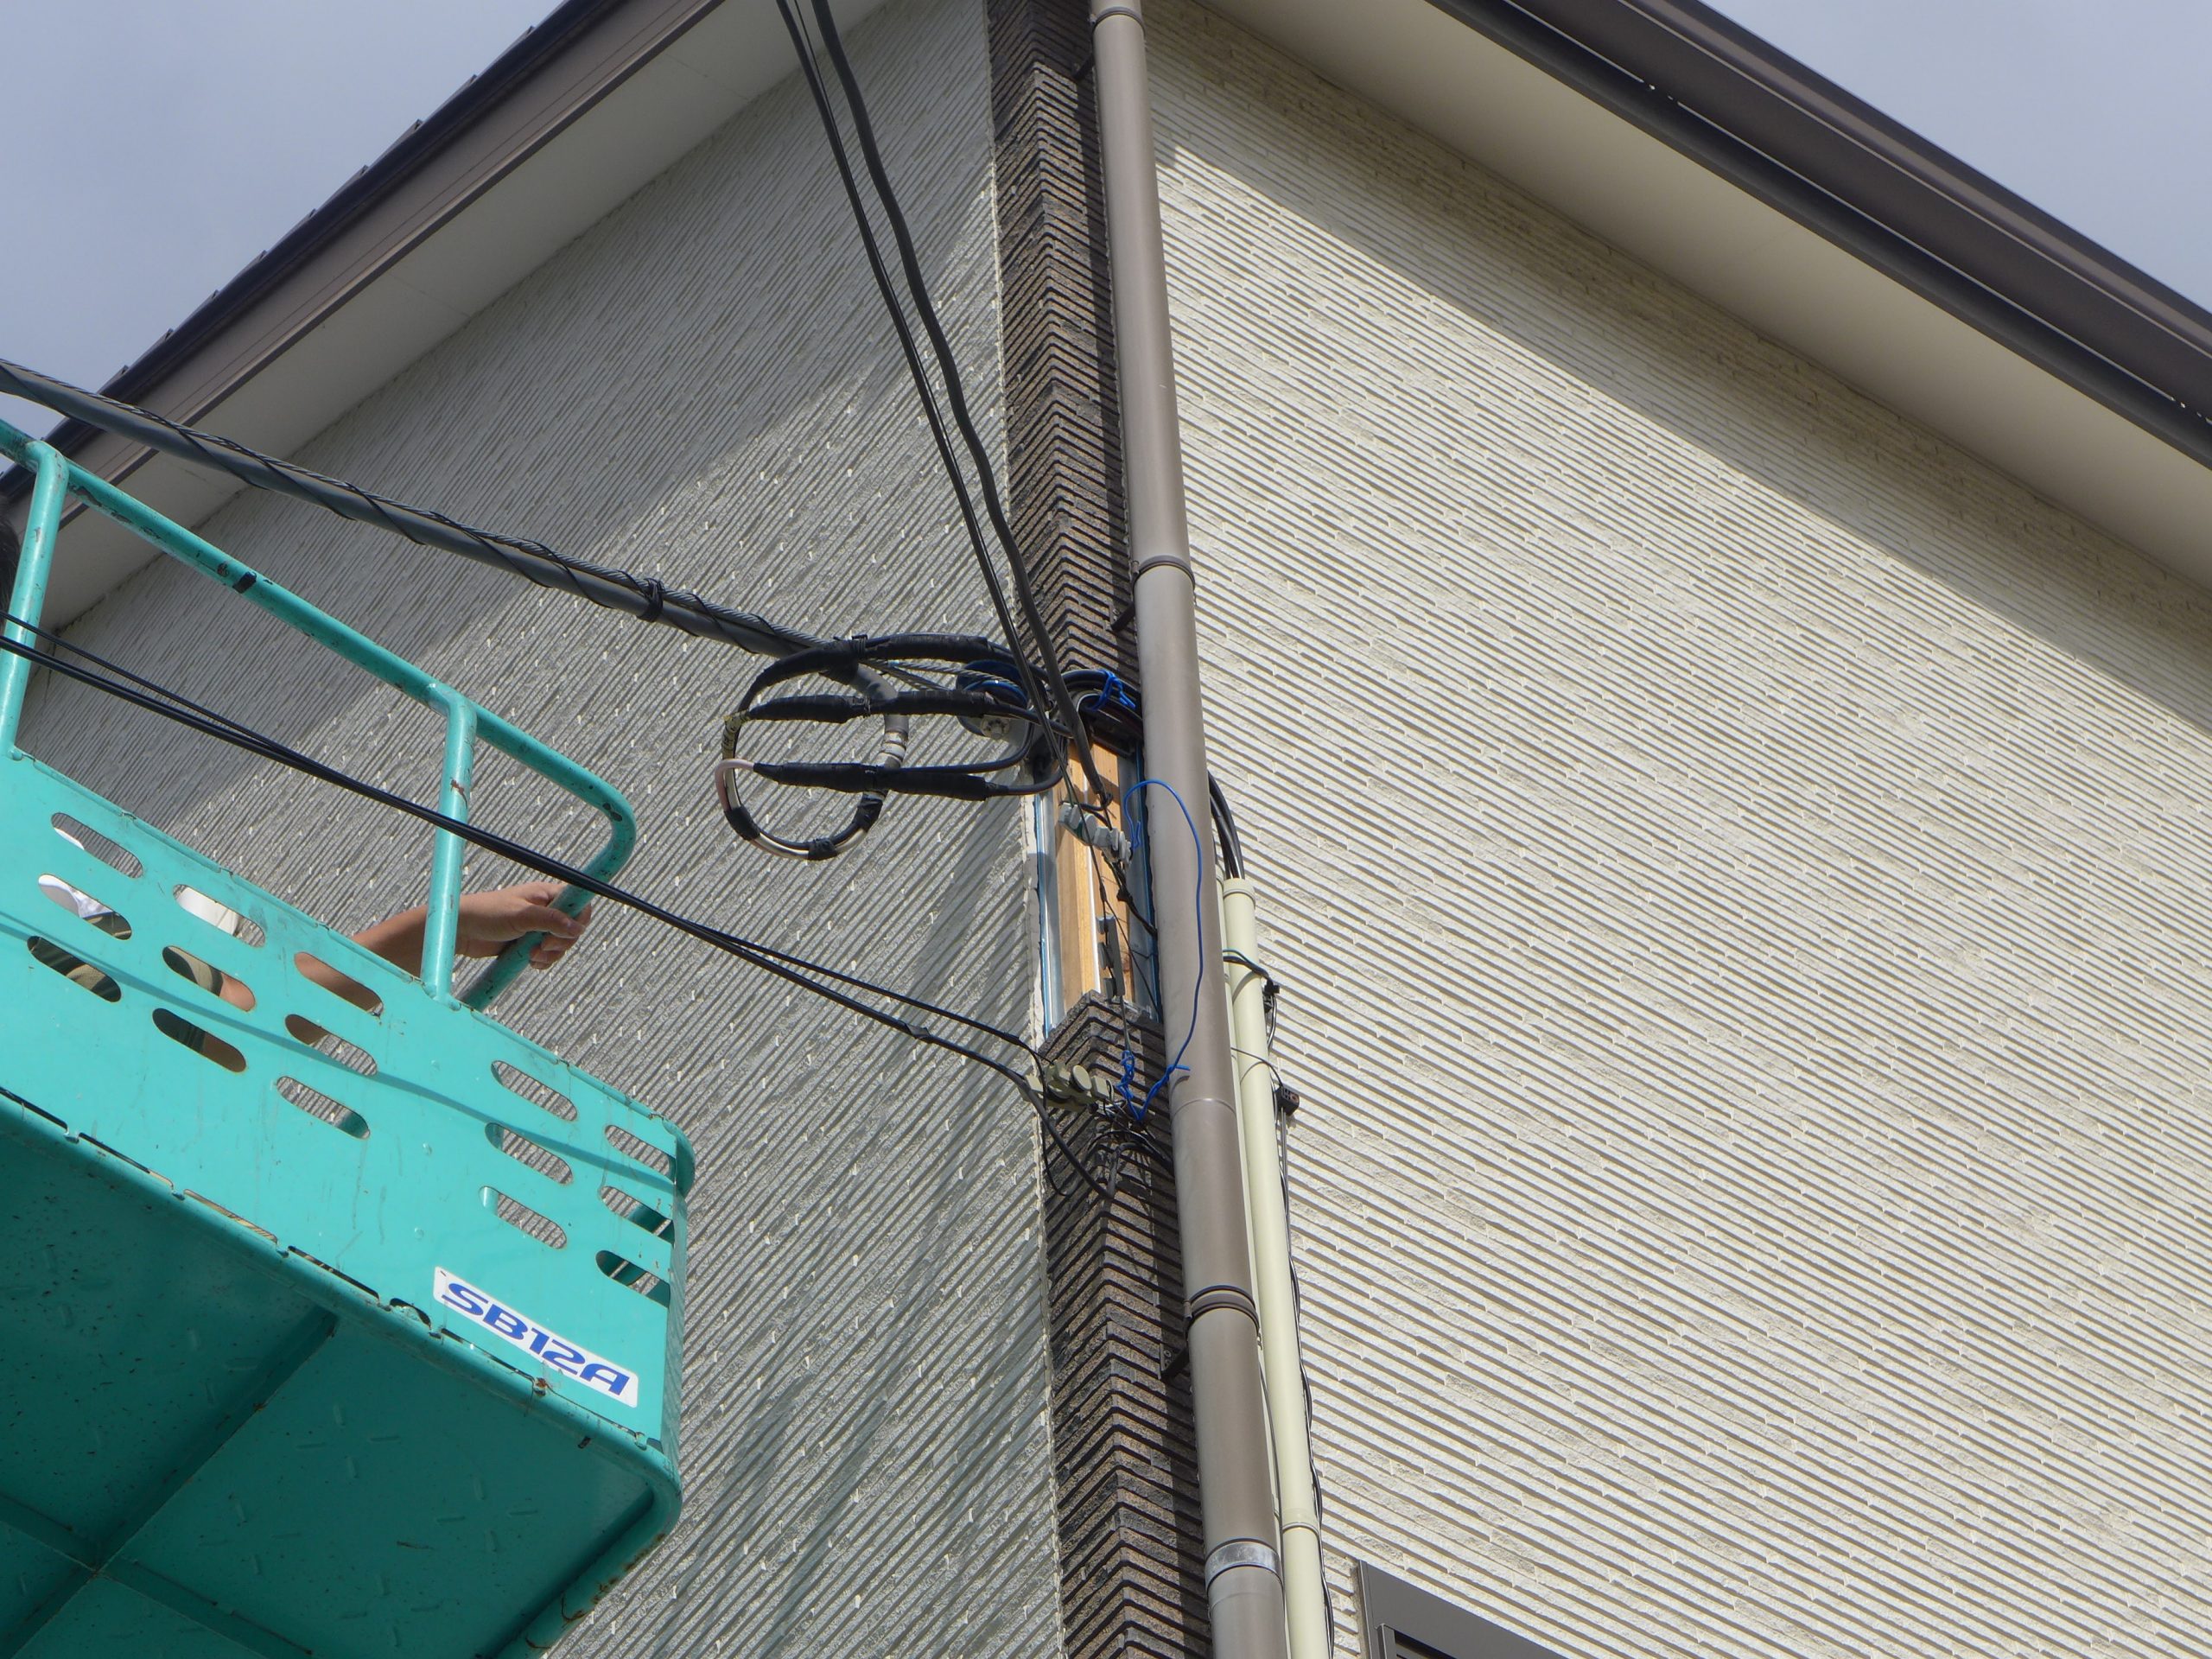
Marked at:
<point>1399,1622</point>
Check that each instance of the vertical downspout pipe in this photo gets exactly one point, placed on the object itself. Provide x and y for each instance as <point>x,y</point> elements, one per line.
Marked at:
<point>1264,1205</point>
<point>1236,1483</point>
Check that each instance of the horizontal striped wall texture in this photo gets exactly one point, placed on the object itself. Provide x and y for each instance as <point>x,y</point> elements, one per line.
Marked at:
<point>703,386</point>
<point>1739,868</point>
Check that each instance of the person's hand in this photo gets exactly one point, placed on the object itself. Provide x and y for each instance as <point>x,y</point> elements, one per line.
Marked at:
<point>491,921</point>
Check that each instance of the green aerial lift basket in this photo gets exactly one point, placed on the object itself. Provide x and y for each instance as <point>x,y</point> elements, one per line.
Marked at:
<point>365,1346</point>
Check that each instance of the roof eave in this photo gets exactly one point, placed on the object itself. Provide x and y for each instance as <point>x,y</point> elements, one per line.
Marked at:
<point>1767,124</point>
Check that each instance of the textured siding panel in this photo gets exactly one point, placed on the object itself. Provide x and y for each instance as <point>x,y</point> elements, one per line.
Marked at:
<point>703,385</point>
<point>1738,867</point>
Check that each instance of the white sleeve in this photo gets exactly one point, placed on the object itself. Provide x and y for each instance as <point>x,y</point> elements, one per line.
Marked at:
<point>209,909</point>
<point>70,899</point>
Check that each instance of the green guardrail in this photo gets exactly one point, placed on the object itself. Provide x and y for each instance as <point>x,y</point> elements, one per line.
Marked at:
<point>331,1330</point>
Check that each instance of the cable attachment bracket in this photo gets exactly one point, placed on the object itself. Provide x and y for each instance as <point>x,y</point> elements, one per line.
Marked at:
<point>1102,837</point>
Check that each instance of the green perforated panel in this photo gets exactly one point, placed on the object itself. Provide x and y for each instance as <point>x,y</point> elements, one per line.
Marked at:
<point>237,1419</point>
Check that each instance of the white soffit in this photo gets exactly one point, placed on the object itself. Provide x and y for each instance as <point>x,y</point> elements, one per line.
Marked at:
<point>1788,282</point>
<point>313,369</point>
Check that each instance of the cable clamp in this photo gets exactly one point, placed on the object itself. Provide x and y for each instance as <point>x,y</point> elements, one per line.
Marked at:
<point>1100,837</point>
<point>1237,958</point>
<point>1076,1084</point>
<point>1219,1296</point>
<point>1241,1552</point>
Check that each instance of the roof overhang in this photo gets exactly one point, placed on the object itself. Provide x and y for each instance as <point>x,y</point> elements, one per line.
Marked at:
<point>1656,124</point>
<point>575,118</point>
<point>1697,148</point>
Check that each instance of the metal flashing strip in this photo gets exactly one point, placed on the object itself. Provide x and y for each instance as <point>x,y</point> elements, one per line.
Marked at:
<point>1686,75</point>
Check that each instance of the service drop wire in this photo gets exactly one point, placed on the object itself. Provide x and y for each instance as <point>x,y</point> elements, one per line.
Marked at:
<point>217,724</point>
<point>1061,702</point>
<point>1031,687</point>
<point>647,597</point>
<point>956,395</point>
<point>783,964</point>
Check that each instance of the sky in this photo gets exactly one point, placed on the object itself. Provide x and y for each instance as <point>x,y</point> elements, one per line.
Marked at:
<point>161,144</point>
<point>2094,110</point>
<point>156,146</point>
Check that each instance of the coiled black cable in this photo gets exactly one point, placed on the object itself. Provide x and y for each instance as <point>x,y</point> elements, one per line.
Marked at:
<point>648,598</point>
<point>866,664</point>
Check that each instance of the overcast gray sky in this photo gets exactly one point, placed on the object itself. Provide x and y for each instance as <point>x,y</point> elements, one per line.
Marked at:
<point>156,146</point>
<point>160,144</point>
<point>2094,110</point>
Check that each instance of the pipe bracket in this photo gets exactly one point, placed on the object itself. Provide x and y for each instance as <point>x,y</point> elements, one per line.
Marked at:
<point>1171,561</point>
<point>1219,1296</point>
<point>1241,1552</point>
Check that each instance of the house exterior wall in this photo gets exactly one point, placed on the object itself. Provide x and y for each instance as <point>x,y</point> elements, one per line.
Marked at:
<point>1737,867</point>
<point>703,386</point>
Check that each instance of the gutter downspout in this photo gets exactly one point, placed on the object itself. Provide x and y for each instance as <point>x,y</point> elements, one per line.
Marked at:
<point>1264,1204</point>
<point>1235,1485</point>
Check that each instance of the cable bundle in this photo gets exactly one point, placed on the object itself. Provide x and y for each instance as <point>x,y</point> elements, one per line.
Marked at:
<point>982,701</point>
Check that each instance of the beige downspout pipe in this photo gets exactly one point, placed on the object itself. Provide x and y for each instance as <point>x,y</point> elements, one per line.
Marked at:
<point>1270,1221</point>
<point>1236,1483</point>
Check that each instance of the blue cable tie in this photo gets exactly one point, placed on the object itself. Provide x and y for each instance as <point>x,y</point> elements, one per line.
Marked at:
<point>1129,1077</point>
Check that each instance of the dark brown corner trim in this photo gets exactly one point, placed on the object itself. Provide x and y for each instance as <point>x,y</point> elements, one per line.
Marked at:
<point>1768,124</point>
<point>1063,419</point>
<point>1124,1449</point>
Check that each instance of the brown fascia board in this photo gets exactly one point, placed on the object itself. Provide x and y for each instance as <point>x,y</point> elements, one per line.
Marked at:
<point>1692,78</point>
<point>549,77</point>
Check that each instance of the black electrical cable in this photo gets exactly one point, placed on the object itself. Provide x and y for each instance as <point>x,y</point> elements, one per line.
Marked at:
<point>1298,1304</point>
<point>785,965</point>
<point>955,394</point>
<point>1113,714</point>
<point>985,703</point>
<point>1060,703</point>
<point>273,749</point>
<point>904,331</point>
<point>647,597</point>
<point>1224,827</point>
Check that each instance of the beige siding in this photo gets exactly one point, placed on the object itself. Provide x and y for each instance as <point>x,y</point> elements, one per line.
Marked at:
<point>1739,866</point>
<point>703,385</point>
